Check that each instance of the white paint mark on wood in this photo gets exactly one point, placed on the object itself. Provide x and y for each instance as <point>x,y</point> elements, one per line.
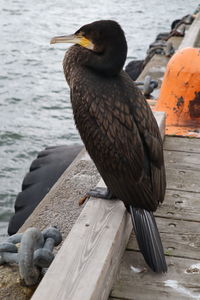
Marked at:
<point>181,289</point>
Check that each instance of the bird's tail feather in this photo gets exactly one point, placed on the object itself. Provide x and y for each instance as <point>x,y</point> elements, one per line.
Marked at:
<point>148,239</point>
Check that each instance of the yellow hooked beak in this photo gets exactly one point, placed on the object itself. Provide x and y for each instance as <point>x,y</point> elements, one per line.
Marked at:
<point>74,39</point>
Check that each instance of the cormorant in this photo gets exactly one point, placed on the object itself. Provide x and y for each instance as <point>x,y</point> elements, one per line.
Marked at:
<point>118,129</point>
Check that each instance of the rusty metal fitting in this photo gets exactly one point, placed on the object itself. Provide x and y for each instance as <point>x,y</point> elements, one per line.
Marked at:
<point>180,93</point>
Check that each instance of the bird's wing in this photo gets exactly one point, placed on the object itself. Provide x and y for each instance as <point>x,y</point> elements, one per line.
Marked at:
<point>153,145</point>
<point>120,137</point>
<point>124,165</point>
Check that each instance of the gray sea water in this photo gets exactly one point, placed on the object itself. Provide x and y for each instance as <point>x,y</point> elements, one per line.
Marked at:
<point>35,109</point>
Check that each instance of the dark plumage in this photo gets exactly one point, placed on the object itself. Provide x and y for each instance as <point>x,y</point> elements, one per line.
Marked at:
<point>118,128</point>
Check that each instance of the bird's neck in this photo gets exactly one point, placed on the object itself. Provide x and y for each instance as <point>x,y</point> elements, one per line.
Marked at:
<point>109,63</point>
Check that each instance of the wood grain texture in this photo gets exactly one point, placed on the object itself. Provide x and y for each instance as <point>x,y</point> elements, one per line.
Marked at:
<point>180,238</point>
<point>182,161</point>
<point>180,205</point>
<point>182,167</point>
<point>178,221</point>
<point>183,180</point>
<point>86,265</point>
<point>182,144</point>
<point>136,282</point>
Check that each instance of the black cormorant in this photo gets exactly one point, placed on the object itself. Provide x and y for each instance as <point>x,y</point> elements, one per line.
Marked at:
<point>118,128</point>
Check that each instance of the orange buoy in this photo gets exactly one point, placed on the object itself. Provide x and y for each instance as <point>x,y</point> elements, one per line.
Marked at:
<point>180,90</point>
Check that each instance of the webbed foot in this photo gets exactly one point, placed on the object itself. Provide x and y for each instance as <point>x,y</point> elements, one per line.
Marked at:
<point>101,192</point>
<point>98,192</point>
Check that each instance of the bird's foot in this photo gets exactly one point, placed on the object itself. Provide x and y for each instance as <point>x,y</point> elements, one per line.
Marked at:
<point>97,192</point>
<point>101,192</point>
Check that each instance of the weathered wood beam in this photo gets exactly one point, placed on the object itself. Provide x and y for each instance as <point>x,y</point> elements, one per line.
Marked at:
<point>134,282</point>
<point>192,34</point>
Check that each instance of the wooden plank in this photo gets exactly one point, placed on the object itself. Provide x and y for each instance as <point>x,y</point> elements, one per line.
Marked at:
<point>192,34</point>
<point>85,264</point>
<point>136,282</point>
<point>88,260</point>
<point>182,170</point>
<point>180,238</point>
<point>183,180</point>
<point>99,236</point>
<point>180,205</point>
<point>182,160</point>
<point>178,222</point>
<point>182,144</point>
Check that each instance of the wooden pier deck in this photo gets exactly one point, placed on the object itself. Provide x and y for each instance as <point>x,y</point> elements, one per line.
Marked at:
<point>178,220</point>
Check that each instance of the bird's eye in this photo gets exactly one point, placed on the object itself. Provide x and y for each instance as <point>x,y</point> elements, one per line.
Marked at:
<point>80,32</point>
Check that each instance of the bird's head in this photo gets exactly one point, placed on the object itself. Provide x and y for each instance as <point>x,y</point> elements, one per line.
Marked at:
<point>105,40</point>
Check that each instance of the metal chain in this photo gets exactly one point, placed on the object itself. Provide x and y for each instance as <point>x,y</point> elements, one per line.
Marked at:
<point>161,47</point>
<point>33,254</point>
